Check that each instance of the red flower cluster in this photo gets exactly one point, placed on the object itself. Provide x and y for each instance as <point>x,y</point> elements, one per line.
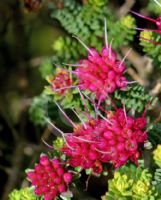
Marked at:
<point>81,147</point>
<point>61,81</point>
<point>49,178</point>
<point>101,73</point>
<point>115,140</point>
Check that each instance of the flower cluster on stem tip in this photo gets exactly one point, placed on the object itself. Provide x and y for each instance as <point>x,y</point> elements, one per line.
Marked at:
<point>61,81</point>
<point>49,178</point>
<point>114,140</point>
<point>101,73</point>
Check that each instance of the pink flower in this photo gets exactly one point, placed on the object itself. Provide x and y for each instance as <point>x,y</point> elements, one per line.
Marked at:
<point>101,73</point>
<point>67,177</point>
<point>49,178</point>
<point>61,81</point>
<point>116,140</point>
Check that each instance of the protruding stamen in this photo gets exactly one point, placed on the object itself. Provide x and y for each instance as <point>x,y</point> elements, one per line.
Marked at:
<point>61,132</point>
<point>74,125</point>
<point>49,146</point>
<point>82,139</point>
<point>124,109</point>
<point>105,30</point>
<point>87,181</point>
<point>95,109</point>
<point>147,106</point>
<point>131,82</point>
<point>63,88</point>
<point>73,65</point>
<point>56,65</point>
<point>71,71</point>
<point>104,117</point>
<point>85,46</point>
<point>113,104</point>
<point>122,61</point>
<point>84,102</point>
<point>150,30</point>
<point>153,42</point>
<point>79,118</point>
<point>110,48</point>
<point>100,107</point>
<point>103,152</point>
<point>94,104</point>
<point>159,4</point>
<point>99,102</point>
<point>144,17</point>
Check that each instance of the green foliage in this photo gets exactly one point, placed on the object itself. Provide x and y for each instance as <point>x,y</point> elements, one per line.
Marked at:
<point>153,7</point>
<point>46,68</point>
<point>157,155</point>
<point>84,21</point>
<point>23,194</point>
<point>134,97</point>
<point>70,99</point>
<point>157,180</point>
<point>87,22</point>
<point>131,183</point>
<point>67,49</point>
<point>157,177</point>
<point>42,106</point>
<point>154,134</point>
<point>122,31</point>
<point>148,41</point>
<point>97,3</point>
<point>68,17</point>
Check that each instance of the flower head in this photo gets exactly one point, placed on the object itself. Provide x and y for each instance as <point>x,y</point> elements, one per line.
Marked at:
<point>115,140</point>
<point>101,73</point>
<point>49,178</point>
<point>61,81</point>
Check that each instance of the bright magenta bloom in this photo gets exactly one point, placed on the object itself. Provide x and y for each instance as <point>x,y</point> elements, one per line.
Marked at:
<point>49,178</point>
<point>115,140</point>
<point>101,73</point>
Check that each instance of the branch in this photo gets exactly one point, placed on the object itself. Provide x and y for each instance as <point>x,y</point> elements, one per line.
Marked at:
<point>126,7</point>
<point>142,65</point>
<point>136,77</point>
<point>157,89</point>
